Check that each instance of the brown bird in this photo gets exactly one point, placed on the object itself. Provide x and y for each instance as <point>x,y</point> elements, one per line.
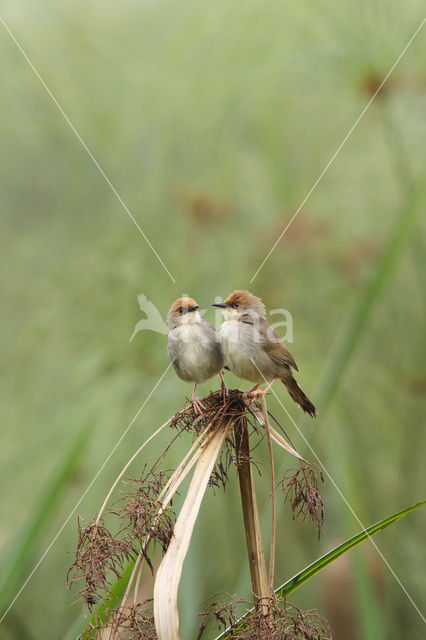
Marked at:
<point>254,351</point>
<point>194,347</point>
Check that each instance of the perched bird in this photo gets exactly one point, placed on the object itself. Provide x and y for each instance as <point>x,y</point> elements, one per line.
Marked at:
<point>194,346</point>
<point>254,351</point>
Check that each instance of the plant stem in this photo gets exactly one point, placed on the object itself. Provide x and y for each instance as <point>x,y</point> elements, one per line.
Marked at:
<point>271,460</point>
<point>256,555</point>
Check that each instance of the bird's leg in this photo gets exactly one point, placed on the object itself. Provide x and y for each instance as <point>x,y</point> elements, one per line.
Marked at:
<point>223,387</point>
<point>196,403</point>
<point>269,385</point>
<point>250,391</point>
<point>260,392</point>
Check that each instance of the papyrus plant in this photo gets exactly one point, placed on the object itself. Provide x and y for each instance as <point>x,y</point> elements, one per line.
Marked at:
<point>119,539</point>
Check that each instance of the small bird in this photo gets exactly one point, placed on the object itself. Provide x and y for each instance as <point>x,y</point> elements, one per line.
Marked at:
<point>194,347</point>
<point>254,351</point>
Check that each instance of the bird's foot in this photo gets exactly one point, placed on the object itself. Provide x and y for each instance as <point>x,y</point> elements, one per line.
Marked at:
<point>251,392</point>
<point>199,408</point>
<point>255,393</point>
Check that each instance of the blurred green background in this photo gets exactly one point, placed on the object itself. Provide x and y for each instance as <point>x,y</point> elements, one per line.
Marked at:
<point>213,121</point>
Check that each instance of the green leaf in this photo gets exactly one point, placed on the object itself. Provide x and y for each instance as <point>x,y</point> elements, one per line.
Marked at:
<point>301,577</point>
<point>306,574</point>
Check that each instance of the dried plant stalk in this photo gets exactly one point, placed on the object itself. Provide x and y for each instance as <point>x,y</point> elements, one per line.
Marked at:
<point>178,476</point>
<point>221,439</point>
<point>256,555</point>
<point>271,460</point>
<point>166,614</point>
<point>169,489</point>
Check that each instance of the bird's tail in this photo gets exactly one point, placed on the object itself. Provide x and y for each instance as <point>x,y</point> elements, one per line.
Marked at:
<point>299,397</point>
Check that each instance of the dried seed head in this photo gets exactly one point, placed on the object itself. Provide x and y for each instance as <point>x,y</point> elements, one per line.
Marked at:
<point>139,508</point>
<point>219,412</point>
<point>218,613</point>
<point>135,622</point>
<point>301,488</point>
<point>99,555</point>
<point>284,621</point>
<point>138,518</point>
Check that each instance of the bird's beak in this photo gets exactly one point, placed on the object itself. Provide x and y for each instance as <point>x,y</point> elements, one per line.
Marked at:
<point>194,307</point>
<point>222,305</point>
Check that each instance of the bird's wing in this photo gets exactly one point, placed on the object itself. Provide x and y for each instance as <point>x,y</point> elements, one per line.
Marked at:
<point>274,346</point>
<point>173,345</point>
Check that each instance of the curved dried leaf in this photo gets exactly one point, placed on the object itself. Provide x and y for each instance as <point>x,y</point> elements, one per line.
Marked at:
<point>168,576</point>
<point>276,437</point>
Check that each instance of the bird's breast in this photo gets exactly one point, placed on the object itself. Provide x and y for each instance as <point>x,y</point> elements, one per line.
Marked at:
<point>196,355</point>
<point>240,349</point>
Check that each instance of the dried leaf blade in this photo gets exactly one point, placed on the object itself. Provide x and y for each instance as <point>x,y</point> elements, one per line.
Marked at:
<point>168,576</point>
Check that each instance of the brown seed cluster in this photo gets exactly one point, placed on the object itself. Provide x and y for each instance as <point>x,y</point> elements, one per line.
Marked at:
<point>219,412</point>
<point>283,621</point>
<point>139,506</point>
<point>218,614</point>
<point>101,555</point>
<point>125,623</point>
<point>301,489</point>
<point>136,519</point>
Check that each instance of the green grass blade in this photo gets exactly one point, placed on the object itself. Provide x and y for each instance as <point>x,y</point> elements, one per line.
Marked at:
<point>26,542</point>
<point>301,577</point>
<point>306,574</point>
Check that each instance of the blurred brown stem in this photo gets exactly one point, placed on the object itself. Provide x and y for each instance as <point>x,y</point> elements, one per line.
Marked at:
<point>271,461</point>
<point>256,555</point>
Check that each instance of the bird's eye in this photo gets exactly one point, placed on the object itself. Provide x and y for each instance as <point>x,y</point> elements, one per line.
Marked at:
<point>180,309</point>
<point>236,304</point>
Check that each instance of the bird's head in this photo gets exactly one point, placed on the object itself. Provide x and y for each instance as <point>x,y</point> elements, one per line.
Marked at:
<point>183,311</point>
<point>240,305</point>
